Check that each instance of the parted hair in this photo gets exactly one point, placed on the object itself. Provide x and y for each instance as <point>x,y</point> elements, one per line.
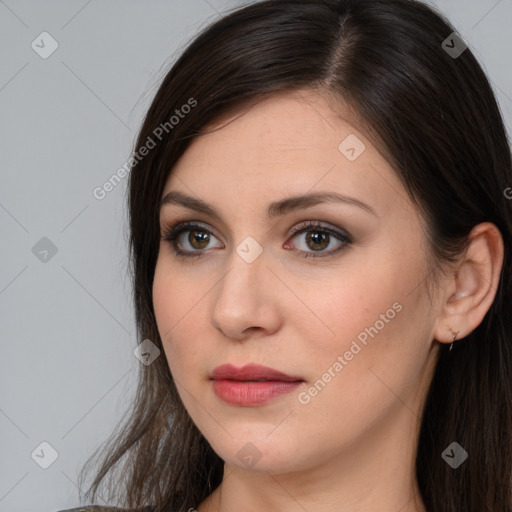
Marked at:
<point>435,117</point>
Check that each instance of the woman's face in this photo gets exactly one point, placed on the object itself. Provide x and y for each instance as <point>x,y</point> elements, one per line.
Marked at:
<point>340,307</point>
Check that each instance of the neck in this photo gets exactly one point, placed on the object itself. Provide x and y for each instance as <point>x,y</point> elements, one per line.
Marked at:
<point>377,475</point>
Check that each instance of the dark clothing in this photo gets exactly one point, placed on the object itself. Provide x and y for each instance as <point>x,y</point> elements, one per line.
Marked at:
<point>98,508</point>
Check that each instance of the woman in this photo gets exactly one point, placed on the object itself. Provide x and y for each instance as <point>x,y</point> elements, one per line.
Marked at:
<point>320,240</point>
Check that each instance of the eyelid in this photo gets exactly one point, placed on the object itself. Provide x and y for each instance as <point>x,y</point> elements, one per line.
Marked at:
<point>318,222</point>
<point>173,232</point>
<point>330,228</point>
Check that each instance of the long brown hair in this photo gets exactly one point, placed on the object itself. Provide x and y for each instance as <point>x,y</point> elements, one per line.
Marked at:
<point>436,118</point>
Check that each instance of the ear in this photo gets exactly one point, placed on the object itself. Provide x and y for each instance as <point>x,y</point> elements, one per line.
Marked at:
<point>470,291</point>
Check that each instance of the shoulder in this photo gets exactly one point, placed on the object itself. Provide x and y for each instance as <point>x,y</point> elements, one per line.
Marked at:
<point>92,508</point>
<point>97,508</point>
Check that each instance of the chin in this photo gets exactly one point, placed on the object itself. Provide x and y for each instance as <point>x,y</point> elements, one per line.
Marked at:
<point>255,450</point>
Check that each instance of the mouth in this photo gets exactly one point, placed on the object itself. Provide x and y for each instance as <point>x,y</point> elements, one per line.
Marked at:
<point>252,373</point>
<point>252,384</point>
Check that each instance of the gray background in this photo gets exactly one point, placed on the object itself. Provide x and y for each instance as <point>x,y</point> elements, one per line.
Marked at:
<point>68,123</point>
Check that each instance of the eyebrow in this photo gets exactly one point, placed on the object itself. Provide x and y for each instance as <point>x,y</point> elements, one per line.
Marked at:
<point>275,209</point>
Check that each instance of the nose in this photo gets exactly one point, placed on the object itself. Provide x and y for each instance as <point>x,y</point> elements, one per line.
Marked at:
<point>246,299</point>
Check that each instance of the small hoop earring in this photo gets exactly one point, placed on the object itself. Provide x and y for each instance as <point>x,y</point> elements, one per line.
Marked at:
<point>454,336</point>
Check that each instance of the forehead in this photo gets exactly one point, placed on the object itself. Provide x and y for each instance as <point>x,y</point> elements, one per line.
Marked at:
<point>290,142</point>
<point>297,119</point>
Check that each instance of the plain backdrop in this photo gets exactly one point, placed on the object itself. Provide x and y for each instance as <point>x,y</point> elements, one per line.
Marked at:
<point>75,80</point>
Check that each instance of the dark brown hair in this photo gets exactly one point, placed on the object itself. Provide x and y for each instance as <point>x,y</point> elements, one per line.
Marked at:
<point>437,120</point>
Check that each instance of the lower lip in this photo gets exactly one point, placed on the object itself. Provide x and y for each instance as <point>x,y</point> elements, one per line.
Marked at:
<point>247,393</point>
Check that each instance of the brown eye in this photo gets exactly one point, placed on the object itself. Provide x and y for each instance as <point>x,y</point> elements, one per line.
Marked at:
<point>318,238</point>
<point>192,245</point>
<point>201,238</point>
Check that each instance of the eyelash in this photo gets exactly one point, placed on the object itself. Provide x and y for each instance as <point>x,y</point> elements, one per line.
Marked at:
<point>170,235</point>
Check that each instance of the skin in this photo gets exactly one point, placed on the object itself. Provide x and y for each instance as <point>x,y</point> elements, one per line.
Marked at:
<point>352,446</point>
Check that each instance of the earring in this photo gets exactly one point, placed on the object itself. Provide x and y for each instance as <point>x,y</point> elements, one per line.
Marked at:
<point>454,336</point>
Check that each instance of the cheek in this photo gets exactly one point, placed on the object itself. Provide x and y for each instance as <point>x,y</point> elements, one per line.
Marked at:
<point>378,318</point>
<point>368,313</point>
<point>354,301</point>
<point>174,303</point>
<point>183,320</point>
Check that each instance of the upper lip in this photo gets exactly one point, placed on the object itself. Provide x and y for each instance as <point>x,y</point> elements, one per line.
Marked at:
<point>250,372</point>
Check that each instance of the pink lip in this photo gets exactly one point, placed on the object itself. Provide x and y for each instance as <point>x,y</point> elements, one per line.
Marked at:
<point>238,386</point>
